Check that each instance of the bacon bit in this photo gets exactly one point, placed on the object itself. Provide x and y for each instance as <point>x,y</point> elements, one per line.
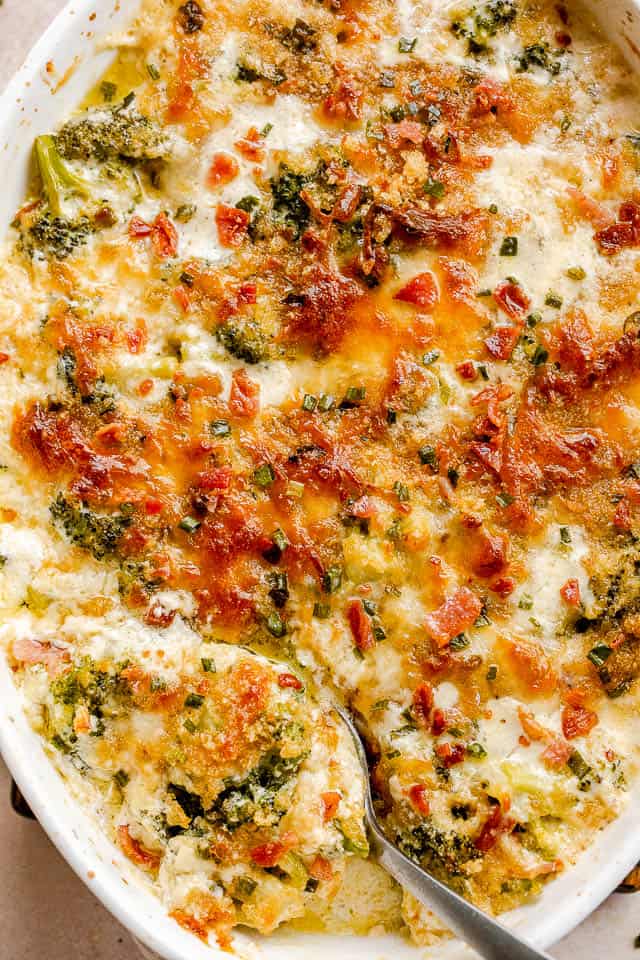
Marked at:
<point>232,225</point>
<point>145,387</point>
<point>289,680</point>
<point>500,344</point>
<point>153,506</point>
<point>625,232</point>
<point>30,651</point>
<point>347,202</point>
<point>467,370</point>
<point>363,507</point>
<point>494,825</point>
<point>458,612</point>
<point>251,146</point>
<point>574,342</point>
<point>139,227</point>
<point>577,721</point>
<point>406,131</point>
<point>4,357</point>
<point>591,210</point>
<point>570,592</point>
<point>214,480</point>
<point>531,664</point>
<point>421,291</point>
<point>320,868</point>
<point>224,168</point>
<point>622,516</point>
<point>504,587</point>
<point>556,754</point>
<point>439,722</point>
<point>137,339</point>
<point>489,554</point>
<point>244,398</point>
<point>158,616</point>
<point>181,296</point>
<point>450,753</point>
<point>511,298</point>
<point>423,703</point>
<point>491,97</point>
<point>247,292</point>
<point>418,798</point>
<point>135,851</point>
<point>164,237</point>
<point>344,103</point>
<point>361,627</point>
<point>330,804</point>
<point>268,854</point>
<point>81,719</point>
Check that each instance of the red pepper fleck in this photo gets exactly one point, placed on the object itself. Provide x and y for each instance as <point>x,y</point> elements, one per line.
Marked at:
<point>467,370</point>
<point>504,586</point>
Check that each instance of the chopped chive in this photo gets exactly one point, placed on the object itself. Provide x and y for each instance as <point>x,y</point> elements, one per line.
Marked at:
<point>387,79</point>
<point>434,188</point>
<point>599,654</point>
<point>185,212</point>
<point>453,476</point>
<point>208,665</point>
<point>565,124</point>
<point>459,642</point>
<point>407,44</point>
<point>476,750</point>
<point>401,491</point>
<point>194,700</point>
<point>266,130</point>
<point>369,607</point>
<point>220,428</point>
<point>482,369</point>
<point>553,299</point>
<point>427,455</point>
<point>353,397</point>
<point>525,602</point>
<point>263,476</point>
<point>509,247</point>
<point>279,539</point>
<point>415,88</point>
<point>430,357</point>
<point>189,524</point>
<point>276,625</point>
<point>534,319</point>
<point>325,402</point>
<point>309,402</point>
<point>332,579</point>
<point>576,273</point>
<point>189,725</point>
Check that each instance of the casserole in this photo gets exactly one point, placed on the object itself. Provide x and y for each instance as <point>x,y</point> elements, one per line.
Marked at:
<point>16,153</point>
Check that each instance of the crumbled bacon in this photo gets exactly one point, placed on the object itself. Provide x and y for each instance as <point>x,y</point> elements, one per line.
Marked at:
<point>458,612</point>
<point>491,97</point>
<point>500,344</point>
<point>421,291</point>
<point>418,795</point>
<point>347,202</point>
<point>531,664</point>
<point>223,169</point>
<point>361,626</point>
<point>345,102</point>
<point>450,753</point>
<point>232,225</point>
<point>244,398</point>
<point>134,850</point>
<point>439,723</point>
<point>577,721</point>
<point>494,825</point>
<point>422,702</point>
<point>570,592</point>
<point>488,554</point>
<point>406,131</point>
<point>251,146</point>
<point>511,298</point>
<point>320,868</point>
<point>289,681</point>
<point>164,237</point>
<point>625,232</point>
<point>139,227</point>
<point>330,803</point>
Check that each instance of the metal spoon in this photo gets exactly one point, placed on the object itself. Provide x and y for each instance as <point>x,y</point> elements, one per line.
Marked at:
<point>488,938</point>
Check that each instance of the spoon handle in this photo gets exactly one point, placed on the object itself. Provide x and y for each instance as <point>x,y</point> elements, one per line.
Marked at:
<point>490,939</point>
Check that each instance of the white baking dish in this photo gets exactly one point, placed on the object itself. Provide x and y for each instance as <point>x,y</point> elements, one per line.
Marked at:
<point>33,104</point>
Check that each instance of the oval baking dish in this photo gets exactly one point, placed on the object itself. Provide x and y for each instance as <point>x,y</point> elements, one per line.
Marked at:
<point>34,102</point>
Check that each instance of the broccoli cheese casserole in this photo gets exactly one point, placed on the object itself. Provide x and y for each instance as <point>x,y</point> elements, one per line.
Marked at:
<point>320,370</point>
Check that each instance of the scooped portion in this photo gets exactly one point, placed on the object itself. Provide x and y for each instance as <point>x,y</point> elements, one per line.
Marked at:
<point>237,792</point>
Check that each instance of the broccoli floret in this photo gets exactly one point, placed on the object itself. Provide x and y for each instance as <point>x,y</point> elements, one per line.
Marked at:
<point>287,202</point>
<point>480,24</point>
<point>97,534</point>
<point>246,342</point>
<point>58,181</point>
<point>442,853</point>
<point>241,800</point>
<point>111,134</point>
<point>56,237</point>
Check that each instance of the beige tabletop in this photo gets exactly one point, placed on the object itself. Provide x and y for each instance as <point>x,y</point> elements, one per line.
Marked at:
<point>46,913</point>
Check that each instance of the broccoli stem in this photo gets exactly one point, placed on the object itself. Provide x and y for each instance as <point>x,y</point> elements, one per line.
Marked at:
<point>57,178</point>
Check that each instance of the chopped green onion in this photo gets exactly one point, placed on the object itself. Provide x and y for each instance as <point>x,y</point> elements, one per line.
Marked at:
<point>434,188</point>
<point>353,396</point>
<point>322,611</point>
<point>492,672</point>
<point>194,700</point>
<point>121,777</point>
<point>220,428</point>
<point>476,750</point>
<point>189,524</point>
<point>309,402</point>
<point>525,602</point>
<point>534,318</point>
<point>392,417</point>
<point>185,212</point>
<point>407,44</point>
<point>599,654</point>
<point>553,300</point>
<point>504,499</point>
<point>427,455</point>
<point>509,247</point>
<point>153,71</point>
<point>208,665</point>
<point>493,208</point>
<point>459,642</point>
<point>401,491</point>
<point>325,402</point>
<point>108,90</point>
<point>276,625</point>
<point>540,356</point>
<point>263,476</point>
<point>565,535</point>
<point>332,579</point>
<point>295,488</point>
<point>578,765</point>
